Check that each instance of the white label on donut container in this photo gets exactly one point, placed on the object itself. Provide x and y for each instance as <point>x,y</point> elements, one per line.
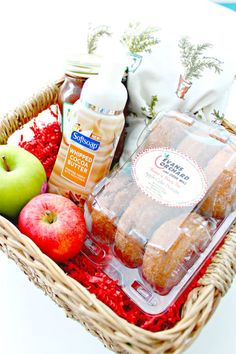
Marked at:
<point>169,177</point>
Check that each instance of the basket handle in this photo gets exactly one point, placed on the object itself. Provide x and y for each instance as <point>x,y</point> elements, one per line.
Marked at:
<point>22,114</point>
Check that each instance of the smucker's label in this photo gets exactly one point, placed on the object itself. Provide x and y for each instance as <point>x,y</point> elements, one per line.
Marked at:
<point>169,177</point>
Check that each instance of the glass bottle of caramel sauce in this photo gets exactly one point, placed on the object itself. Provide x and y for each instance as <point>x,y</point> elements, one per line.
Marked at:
<point>77,72</point>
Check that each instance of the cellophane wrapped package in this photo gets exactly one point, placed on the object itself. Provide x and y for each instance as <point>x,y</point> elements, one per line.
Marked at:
<point>154,222</point>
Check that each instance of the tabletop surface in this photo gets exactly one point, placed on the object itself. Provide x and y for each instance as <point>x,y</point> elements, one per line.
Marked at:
<point>35,37</point>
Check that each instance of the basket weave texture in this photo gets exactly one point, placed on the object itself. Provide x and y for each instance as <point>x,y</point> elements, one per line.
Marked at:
<point>116,333</point>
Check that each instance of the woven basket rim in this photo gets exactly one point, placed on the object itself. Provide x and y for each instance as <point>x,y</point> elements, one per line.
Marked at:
<point>115,332</point>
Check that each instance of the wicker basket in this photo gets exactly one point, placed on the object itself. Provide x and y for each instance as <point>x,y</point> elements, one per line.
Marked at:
<point>116,333</point>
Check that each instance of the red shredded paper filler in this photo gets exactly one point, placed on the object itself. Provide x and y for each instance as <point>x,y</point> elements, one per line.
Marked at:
<point>45,144</point>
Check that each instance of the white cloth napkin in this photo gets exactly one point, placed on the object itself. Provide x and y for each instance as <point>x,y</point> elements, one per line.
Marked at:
<point>159,71</point>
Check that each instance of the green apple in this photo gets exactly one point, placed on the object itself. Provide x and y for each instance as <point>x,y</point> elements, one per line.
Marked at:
<point>21,178</point>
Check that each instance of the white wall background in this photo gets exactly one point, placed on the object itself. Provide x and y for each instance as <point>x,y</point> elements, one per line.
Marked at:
<point>35,39</point>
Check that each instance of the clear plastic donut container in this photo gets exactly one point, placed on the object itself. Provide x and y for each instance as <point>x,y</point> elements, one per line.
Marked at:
<point>155,221</point>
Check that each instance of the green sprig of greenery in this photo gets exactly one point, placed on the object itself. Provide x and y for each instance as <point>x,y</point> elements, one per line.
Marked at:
<point>194,61</point>
<point>218,117</point>
<point>94,34</point>
<point>149,111</point>
<point>138,39</point>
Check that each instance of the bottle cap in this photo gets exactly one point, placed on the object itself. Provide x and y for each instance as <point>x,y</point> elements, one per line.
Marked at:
<point>105,93</point>
<point>113,69</point>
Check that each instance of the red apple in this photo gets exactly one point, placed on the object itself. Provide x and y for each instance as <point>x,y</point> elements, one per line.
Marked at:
<point>55,224</point>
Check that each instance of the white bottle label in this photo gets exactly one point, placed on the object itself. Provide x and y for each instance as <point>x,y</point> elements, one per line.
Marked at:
<point>169,177</point>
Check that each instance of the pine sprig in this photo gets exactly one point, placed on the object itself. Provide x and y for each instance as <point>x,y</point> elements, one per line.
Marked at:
<point>138,39</point>
<point>94,34</point>
<point>212,63</point>
<point>149,111</point>
<point>194,61</point>
<point>218,118</point>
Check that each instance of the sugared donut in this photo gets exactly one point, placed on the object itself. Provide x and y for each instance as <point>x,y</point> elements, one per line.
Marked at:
<point>109,207</point>
<point>221,198</point>
<point>129,249</point>
<point>167,132</point>
<point>173,249</point>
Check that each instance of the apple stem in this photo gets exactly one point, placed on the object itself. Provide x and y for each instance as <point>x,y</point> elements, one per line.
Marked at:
<point>50,216</point>
<point>5,164</point>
